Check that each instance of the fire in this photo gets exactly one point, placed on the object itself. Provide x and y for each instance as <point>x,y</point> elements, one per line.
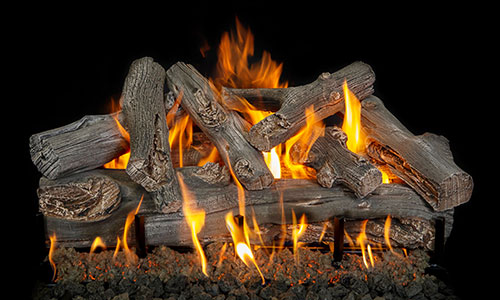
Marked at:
<point>97,243</point>
<point>352,127</point>
<point>305,137</point>
<point>233,69</point>
<point>239,234</point>
<point>297,231</point>
<point>130,218</point>
<point>361,240</point>
<point>352,121</point>
<point>53,240</point>
<point>195,217</point>
<point>121,161</point>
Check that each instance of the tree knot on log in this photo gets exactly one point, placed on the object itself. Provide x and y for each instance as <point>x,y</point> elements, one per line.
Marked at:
<point>213,173</point>
<point>210,112</point>
<point>261,134</point>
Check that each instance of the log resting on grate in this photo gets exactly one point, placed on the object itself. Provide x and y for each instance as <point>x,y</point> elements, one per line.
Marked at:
<point>215,193</point>
<point>325,94</point>
<point>222,127</point>
<point>424,162</point>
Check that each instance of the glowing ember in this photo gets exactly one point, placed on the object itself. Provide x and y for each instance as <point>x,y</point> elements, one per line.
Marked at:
<point>195,217</point>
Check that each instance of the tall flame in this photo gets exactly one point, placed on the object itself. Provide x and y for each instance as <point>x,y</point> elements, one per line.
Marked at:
<point>195,217</point>
<point>361,240</point>
<point>297,231</point>
<point>352,121</point>
<point>53,240</point>
<point>128,221</point>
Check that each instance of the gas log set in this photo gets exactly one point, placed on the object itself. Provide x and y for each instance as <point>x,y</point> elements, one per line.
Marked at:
<point>244,161</point>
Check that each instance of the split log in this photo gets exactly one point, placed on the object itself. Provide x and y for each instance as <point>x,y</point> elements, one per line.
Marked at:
<point>83,198</point>
<point>325,94</point>
<point>202,102</point>
<point>334,163</point>
<point>424,162</point>
<point>83,145</point>
<point>143,106</point>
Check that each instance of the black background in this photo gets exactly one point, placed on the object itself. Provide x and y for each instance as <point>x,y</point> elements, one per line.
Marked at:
<point>432,66</point>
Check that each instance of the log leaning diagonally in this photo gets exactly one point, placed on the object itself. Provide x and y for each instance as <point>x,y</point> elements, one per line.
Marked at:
<point>424,162</point>
<point>325,94</point>
<point>222,127</point>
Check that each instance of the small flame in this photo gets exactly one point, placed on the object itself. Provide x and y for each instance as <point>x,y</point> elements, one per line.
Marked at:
<point>118,242</point>
<point>195,217</point>
<point>241,242</point>
<point>352,121</point>
<point>297,231</point>
<point>362,240</point>
<point>53,240</point>
<point>130,218</point>
<point>97,243</point>
<point>323,231</point>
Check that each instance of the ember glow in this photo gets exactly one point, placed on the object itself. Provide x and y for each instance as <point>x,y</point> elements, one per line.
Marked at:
<point>195,218</point>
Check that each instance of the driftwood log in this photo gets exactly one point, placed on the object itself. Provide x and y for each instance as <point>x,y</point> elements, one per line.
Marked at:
<point>150,163</point>
<point>87,198</point>
<point>221,126</point>
<point>424,162</point>
<point>217,196</point>
<point>83,145</point>
<point>334,163</point>
<point>324,94</point>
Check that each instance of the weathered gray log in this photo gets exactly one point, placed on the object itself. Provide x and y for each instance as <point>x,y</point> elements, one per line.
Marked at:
<point>200,148</point>
<point>143,106</point>
<point>225,131</point>
<point>83,145</point>
<point>218,197</point>
<point>334,163</point>
<point>424,162</point>
<point>86,197</point>
<point>325,94</point>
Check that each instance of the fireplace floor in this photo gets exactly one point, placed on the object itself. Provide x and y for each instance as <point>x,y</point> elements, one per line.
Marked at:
<point>169,274</point>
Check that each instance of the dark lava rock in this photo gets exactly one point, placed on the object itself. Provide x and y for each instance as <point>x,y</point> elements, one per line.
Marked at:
<point>268,292</point>
<point>176,284</point>
<point>413,289</point>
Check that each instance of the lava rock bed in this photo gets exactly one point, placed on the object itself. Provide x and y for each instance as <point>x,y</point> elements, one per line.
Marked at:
<point>168,274</point>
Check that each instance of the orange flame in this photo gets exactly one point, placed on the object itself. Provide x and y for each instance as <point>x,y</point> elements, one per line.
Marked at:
<point>352,121</point>
<point>130,218</point>
<point>297,231</point>
<point>361,240</point>
<point>53,240</point>
<point>313,129</point>
<point>97,243</point>
<point>195,217</point>
<point>241,242</point>
<point>121,161</point>
<point>233,69</point>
